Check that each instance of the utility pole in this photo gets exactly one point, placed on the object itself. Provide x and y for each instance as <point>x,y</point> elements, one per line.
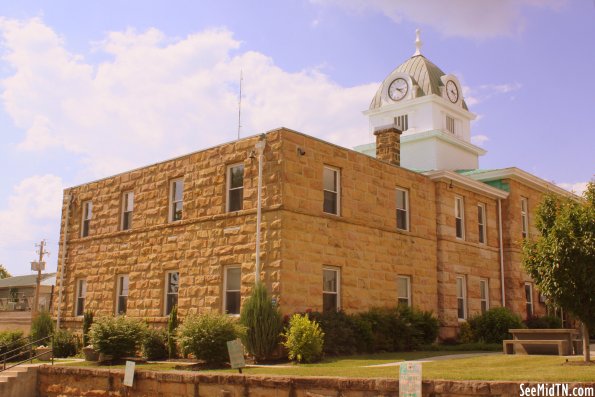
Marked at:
<point>39,266</point>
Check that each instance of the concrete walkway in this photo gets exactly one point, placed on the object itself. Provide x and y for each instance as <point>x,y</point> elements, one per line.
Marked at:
<point>435,358</point>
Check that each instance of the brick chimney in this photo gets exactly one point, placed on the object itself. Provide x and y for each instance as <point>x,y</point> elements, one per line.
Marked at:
<point>388,144</point>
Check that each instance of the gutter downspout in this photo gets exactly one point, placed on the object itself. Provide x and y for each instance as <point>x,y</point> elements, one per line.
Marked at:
<point>63,258</point>
<point>260,145</point>
<point>501,249</point>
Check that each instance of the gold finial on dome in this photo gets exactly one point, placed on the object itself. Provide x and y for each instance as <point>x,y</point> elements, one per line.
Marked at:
<point>418,43</point>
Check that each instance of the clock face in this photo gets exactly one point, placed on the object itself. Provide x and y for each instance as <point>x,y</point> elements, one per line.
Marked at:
<point>398,89</point>
<point>452,91</point>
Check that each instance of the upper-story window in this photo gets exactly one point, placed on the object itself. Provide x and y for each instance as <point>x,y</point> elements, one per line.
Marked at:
<point>404,290</point>
<point>481,222</point>
<point>172,284</point>
<point>81,295</point>
<point>232,281</point>
<point>87,215</point>
<point>451,124</point>
<point>332,190</point>
<point>484,295</point>
<point>122,295</point>
<point>460,217</point>
<point>402,209</point>
<point>461,298</point>
<point>524,217</point>
<point>176,199</point>
<point>127,208</point>
<point>235,187</point>
<point>402,122</point>
<point>330,289</point>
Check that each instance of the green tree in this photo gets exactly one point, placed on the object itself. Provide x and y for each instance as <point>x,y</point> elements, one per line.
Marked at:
<point>3,272</point>
<point>562,259</point>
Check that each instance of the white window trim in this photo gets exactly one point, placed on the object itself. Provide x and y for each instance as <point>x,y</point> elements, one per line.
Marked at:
<point>406,209</point>
<point>228,185</point>
<point>524,217</point>
<point>531,301</point>
<point>165,313</point>
<point>338,171</point>
<point>464,297</point>
<point>124,202</point>
<point>118,287</point>
<point>337,270</point>
<point>487,292</point>
<point>457,199</point>
<point>78,291</point>
<point>408,278</point>
<point>484,233</point>
<point>225,269</point>
<point>171,201</point>
<point>83,217</point>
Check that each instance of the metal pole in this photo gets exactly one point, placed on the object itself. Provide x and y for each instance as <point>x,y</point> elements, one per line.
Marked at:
<point>501,252</point>
<point>63,258</point>
<point>38,286</point>
<point>260,145</point>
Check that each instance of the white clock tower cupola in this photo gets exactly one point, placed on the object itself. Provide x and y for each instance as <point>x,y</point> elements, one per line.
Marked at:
<point>428,106</point>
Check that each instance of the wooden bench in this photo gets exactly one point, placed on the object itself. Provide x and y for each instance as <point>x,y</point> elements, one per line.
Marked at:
<point>534,346</point>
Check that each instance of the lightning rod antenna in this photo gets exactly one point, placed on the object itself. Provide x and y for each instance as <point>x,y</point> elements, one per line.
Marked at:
<point>240,105</point>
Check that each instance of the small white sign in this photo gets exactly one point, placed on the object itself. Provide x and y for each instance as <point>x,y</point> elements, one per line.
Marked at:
<point>410,379</point>
<point>38,266</point>
<point>236,354</point>
<point>129,373</point>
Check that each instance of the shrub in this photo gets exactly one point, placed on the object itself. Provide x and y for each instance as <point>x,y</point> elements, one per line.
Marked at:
<point>362,329</point>
<point>339,333</point>
<point>206,336</point>
<point>155,346</point>
<point>543,322</point>
<point>42,326</point>
<point>117,336</point>
<point>64,344</point>
<point>423,326</point>
<point>11,340</point>
<point>493,325</point>
<point>389,331</point>
<point>87,322</point>
<point>304,339</point>
<point>466,334</point>
<point>263,323</point>
<point>172,325</point>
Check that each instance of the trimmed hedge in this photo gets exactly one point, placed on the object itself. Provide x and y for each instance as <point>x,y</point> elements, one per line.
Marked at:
<point>493,325</point>
<point>65,344</point>
<point>117,336</point>
<point>543,322</point>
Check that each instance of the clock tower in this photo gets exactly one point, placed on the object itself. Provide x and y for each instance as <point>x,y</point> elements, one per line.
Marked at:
<point>427,105</point>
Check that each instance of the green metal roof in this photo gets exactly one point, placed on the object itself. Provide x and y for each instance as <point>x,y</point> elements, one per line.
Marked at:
<point>499,184</point>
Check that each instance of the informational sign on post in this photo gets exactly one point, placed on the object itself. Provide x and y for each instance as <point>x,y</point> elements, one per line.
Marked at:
<point>410,379</point>
<point>129,373</point>
<point>236,354</point>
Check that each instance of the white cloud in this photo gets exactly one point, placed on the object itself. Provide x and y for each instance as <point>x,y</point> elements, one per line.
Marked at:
<point>484,92</point>
<point>463,18</point>
<point>577,188</point>
<point>479,140</point>
<point>155,97</point>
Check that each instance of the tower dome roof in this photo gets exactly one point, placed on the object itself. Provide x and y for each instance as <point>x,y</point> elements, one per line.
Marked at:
<point>425,77</point>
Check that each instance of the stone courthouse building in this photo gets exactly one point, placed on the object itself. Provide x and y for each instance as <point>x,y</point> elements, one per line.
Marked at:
<point>409,218</point>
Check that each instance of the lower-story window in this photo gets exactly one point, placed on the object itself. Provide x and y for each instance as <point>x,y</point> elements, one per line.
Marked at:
<point>404,290</point>
<point>529,299</point>
<point>122,298</point>
<point>172,284</point>
<point>461,298</point>
<point>232,297</point>
<point>330,289</point>
<point>484,297</point>
<point>81,294</point>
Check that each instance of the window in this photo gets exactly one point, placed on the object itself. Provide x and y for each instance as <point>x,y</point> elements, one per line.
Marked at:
<point>122,296</point>
<point>402,209</point>
<point>330,289</point>
<point>404,290</point>
<point>402,122</point>
<point>450,125</point>
<point>461,298</point>
<point>481,222</point>
<point>524,217</point>
<point>460,217</point>
<point>331,180</point>
<point>529,299</point>
<point>127,208</point>
<point>232,281</point>
<point>235,187</point>
<point>87,215</point>
<point>484,298</point>
<point>176,199</point>
<point>81,294</point>
<point>172,283</point>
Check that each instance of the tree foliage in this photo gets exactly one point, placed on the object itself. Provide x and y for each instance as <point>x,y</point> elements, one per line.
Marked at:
<point>3,272</point>
<point>562,259</point>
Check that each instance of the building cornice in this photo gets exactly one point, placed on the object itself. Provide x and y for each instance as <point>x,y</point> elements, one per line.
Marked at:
<point>453,178</point>
<point>443,136</point>
<point>524,177</point>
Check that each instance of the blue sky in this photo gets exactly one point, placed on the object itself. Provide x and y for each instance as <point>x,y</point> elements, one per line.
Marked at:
<point>92,89</point>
